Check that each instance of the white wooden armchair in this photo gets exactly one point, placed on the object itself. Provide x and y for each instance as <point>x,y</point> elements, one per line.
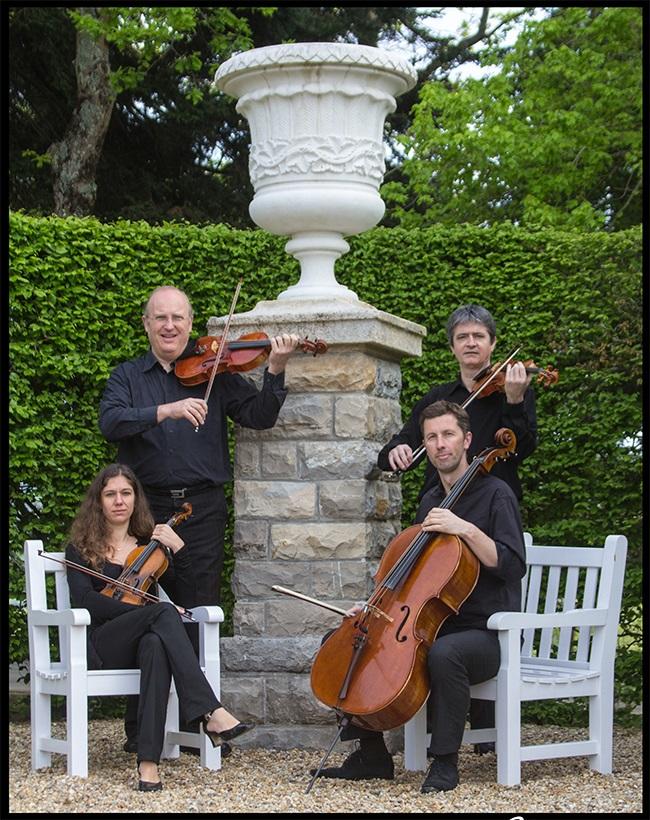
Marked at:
<point>69,676</point>
<point>568,651</point>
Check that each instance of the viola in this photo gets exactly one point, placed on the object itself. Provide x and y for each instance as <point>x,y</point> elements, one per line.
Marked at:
<point>238,356</point>
<point>492,379</point>
<point>373,669</point>
<point>143,567</point>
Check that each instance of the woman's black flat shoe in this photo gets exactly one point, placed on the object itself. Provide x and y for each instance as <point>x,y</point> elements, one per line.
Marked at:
<point>217,738</point>
<point>147,786</point>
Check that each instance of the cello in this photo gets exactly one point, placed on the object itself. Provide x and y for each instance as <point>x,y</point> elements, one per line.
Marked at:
<point>372,669</point>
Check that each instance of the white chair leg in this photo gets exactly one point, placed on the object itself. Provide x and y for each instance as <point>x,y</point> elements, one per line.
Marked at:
<point>41,720</point>
<point>170,749</point>
<point>415,741</point>
<point>601,728</point>
<point>508,713</point>
<point>209,756</point>
<point>77,729</point>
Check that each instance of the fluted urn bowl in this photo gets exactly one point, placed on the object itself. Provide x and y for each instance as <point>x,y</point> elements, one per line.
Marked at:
<point>316,113</point>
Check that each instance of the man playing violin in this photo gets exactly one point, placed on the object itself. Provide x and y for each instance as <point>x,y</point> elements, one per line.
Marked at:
<point>465,652</point>
<point>471,332</point>
<point>152,418</point>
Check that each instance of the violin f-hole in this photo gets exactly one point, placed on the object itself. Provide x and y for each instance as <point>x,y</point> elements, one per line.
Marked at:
<point>407,610</point>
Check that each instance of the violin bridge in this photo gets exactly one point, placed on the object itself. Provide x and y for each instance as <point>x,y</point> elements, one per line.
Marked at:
<point>378,613</point>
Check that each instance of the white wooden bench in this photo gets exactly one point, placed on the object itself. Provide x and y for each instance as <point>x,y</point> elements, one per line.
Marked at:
<point>569,621</point>
<point>68,675</point>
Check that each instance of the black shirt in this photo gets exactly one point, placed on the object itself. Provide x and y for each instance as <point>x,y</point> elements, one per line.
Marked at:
<point>486,416</point>
<point>171,454</point>
<point>489,504</point>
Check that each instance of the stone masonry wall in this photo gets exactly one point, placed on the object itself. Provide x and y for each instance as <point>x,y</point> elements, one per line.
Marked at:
<point>312,514</point>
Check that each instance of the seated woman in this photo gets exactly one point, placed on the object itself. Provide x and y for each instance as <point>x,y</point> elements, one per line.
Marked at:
<point>112,520</point>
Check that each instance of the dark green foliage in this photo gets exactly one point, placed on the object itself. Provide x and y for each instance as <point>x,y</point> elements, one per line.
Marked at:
<point>570,300</point>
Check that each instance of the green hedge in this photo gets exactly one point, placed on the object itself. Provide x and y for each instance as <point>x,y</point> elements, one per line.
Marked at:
<point>574,301</point>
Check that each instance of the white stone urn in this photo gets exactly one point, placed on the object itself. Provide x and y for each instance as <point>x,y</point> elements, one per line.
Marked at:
<point>316,113</point>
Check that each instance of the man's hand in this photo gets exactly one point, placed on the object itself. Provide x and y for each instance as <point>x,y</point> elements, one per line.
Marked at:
<point>446,522</point>
<point>400,457</point>
<point>516,383</point>
<point>355,609</point>
<point>281,348</point>
<point>442,520</point>
<point>194,410</point>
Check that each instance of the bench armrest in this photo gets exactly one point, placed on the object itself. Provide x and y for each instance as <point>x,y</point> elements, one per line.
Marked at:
<point>60,617</point>
<point>528,620</point>
<point>207,614</point>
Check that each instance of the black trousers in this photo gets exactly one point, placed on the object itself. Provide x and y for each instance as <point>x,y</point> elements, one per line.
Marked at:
<point>153,639</point>
<point>204,534</point>
<point>456,661</point>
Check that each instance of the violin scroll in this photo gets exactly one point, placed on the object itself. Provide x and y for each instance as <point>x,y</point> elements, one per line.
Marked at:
<point>317,347</point>
<point>184,513</point>
<point>547,376</point>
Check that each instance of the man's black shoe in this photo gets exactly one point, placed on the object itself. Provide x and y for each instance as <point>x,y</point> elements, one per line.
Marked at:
<point>131,744</point>
<point>360,767</point>
<point>441,777</point>
<point>484,748</point>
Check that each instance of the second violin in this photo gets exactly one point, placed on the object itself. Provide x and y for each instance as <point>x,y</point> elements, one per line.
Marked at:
<point>492,378</point>
<point>238,356</point>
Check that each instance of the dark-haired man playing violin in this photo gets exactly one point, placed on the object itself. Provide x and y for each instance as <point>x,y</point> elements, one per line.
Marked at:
<point>152,418</point>
<point>471,333</point>
<point>465,651</point>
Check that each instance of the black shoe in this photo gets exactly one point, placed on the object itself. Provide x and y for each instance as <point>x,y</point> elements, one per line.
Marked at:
<point>441,777</point>
<point>131,744</point>
<point>146,785</point>
<point>484,748</point>
<point>361,767</point>
<point>218,738</point>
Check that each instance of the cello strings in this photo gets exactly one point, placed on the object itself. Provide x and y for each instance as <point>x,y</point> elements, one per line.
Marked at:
<point>405,563</point>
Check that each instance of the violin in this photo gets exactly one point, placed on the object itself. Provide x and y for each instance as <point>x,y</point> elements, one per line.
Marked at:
<point>372,669</point>
<point>238,356</point>
<point>143,567</point>
<point>492,379</point>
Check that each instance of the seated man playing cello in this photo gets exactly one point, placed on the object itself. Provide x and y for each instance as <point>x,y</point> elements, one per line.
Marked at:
<point>486,518</point>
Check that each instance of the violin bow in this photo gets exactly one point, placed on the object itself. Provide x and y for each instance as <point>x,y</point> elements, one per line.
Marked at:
<point>417,454</point>
<point>148,596</point>
<point>222,344</point>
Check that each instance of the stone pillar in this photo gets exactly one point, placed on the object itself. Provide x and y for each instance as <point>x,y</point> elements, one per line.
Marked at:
<point>312,511</point>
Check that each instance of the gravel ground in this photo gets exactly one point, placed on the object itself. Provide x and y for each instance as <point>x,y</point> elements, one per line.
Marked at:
<point>270,781</point>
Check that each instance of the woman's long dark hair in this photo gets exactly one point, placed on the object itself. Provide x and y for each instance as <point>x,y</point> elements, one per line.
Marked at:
<point>89,530</point>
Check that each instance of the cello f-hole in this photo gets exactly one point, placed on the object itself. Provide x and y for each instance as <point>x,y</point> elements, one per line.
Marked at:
<point>407,612</point>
